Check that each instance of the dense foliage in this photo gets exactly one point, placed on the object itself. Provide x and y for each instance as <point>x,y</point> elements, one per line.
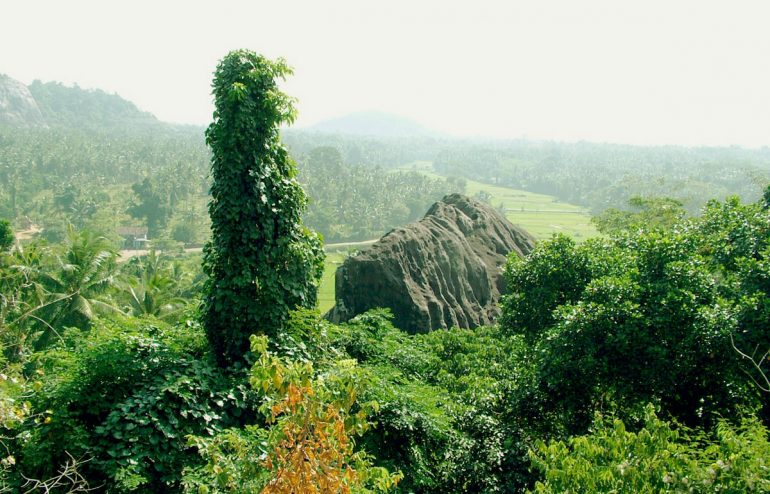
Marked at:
<point>634,362</point>
<point>657,458</point>
<point>309,446</point>
<point>648,316</point>
<point>124,399</point>
<point>261,261</point>
<point>619,322</point>
<point>46,289</point>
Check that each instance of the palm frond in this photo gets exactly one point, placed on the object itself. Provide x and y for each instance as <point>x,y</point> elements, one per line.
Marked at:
<point>82,305</point>
<point>106,308</point>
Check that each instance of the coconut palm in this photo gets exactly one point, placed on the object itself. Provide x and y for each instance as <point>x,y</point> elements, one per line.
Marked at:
<point>20,293</point>
<point>152,291</point>
<point>77,285</point>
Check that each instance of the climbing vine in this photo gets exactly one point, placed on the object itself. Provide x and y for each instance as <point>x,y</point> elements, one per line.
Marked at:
<point>261,261</point>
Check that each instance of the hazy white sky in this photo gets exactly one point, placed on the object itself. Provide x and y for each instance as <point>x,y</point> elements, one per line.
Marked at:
<point>672,71</point>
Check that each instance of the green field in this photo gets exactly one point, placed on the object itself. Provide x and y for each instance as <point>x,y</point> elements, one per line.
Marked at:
<point>326,290</point>
<point>539,214</point>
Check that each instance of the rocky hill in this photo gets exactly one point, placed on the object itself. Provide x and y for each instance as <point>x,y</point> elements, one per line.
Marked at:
<point>55,105</point>
<point>73,106</point>
<point>440,272</point>
<point>17,105</point>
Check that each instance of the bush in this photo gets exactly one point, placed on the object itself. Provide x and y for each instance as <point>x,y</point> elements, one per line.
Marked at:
<point>125,397</point>
<point>445,416</point>
<point>657,458</point>
<point>6,235</point>
<point>646,317</point>
<point>308,442</point>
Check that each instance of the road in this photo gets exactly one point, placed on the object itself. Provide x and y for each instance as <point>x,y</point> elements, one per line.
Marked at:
<point>125,255</point>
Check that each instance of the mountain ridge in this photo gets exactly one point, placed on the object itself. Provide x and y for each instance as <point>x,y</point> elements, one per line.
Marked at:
<point>56,105</point>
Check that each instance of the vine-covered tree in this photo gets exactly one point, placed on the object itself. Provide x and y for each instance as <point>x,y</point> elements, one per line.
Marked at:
<point>261,261</point>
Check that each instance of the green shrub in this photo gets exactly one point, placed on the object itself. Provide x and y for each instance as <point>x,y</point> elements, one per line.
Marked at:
<point>125,397</point>
<point>6,235</point>
<point>657,458</point>
<point>308,442</point>
<point>445,417</point>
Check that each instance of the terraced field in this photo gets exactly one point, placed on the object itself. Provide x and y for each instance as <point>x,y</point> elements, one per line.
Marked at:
<point>539,214</point>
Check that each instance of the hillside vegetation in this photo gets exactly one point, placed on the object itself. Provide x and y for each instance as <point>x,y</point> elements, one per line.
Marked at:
<point>66,106</point>
<point>643,317</point>
<point>632,361</point>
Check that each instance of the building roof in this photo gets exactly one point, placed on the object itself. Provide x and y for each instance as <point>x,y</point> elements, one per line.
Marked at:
<point>135,231</point>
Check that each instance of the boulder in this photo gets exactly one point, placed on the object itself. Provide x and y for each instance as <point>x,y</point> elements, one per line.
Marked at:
<point>443,271</point>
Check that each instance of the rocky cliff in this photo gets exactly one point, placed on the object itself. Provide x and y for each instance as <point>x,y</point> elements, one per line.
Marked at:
<point>17,106</point>
<point>440,272</point>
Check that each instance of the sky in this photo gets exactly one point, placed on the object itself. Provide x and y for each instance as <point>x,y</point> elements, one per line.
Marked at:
<point>640,72</point>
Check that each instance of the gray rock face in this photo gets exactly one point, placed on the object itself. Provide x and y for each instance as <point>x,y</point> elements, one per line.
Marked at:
<point>440,272</point>
<point>17,106</point>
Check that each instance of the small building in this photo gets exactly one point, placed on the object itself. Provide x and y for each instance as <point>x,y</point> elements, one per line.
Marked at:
<point>134,237</point>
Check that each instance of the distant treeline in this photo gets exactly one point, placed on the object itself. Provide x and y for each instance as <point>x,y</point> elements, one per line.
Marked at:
<point>597,176</point>
<point>102,163</point>
<point>60,175</point>
<point>357,202</point>
<point>106,179</point>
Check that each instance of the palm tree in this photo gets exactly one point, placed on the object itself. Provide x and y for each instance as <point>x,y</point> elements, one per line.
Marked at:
<point>153,290</point>
<point>20,293</point>
<point>76,285</point>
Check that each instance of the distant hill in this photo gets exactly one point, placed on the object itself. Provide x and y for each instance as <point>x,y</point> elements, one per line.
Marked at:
<point>54,105</point>
<point>372,123</point>
<point>73,106</point>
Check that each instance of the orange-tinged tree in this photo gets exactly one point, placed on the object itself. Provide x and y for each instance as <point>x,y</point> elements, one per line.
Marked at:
<point>309,444</point>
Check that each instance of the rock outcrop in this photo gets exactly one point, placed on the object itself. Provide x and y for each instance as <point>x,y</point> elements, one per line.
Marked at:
<point>440,272</point>
<point>17,106</point>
